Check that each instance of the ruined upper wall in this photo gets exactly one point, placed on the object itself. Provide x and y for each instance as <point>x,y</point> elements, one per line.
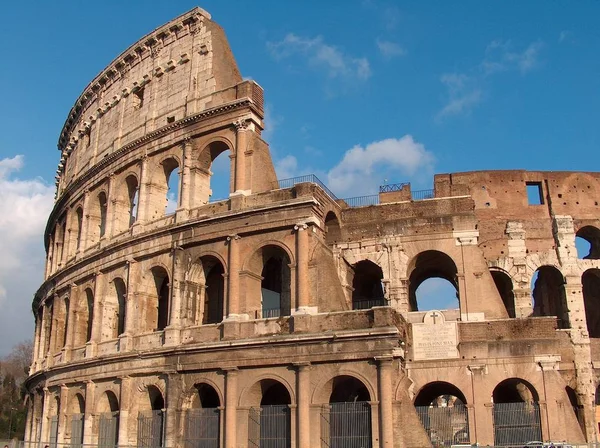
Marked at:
<point>182,68</point>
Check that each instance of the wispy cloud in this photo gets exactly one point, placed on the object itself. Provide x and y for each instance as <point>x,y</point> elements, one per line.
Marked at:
<point>565,36</point>
<point>464,91</point>
<point>24,207</point>
<point>362,169</point>
<point>322,56</point>
<point>390,49</point>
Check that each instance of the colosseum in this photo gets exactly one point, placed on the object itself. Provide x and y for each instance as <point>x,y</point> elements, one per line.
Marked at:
<point>283,316</point>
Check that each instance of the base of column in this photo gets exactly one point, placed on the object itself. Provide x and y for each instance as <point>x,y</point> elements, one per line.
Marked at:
<point>305,310</point>
<point>236,318</point>
<point>91,349</point>
<point>125,343</point>
<point>172,336</point>
<point>240,193</point>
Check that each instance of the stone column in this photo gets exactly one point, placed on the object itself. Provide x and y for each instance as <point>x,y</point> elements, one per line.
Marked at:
<point>231,408</point>
<point>45,431</point>
<point>302,285</point>
<point>52,345</point>
<point>172,331</point>
<point>28,420</point>
<point>240,157</point>
<point>186,184</point>
<point>386,424</point>
<point>70,323</point>
<point>91,346</point>
<point>303,410</point>
<point>124,405</point>
<point>46,317</point>
<point>83,232</point>
<point>110,208</point>
<point>89,415</point>
<point>62,414</point>
<point>36,342</point>
<point>143,192</point>
<point>130,307</point>
<point>233,287</point>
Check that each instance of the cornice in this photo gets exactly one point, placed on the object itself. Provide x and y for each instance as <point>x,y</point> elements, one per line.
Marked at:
<point>125,61</point>
<point>109,159</point>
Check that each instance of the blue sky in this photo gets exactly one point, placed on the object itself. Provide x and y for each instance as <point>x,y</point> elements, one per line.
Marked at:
<point>358,92</point>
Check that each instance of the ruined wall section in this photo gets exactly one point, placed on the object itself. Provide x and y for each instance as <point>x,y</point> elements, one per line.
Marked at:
<point>166,76</point>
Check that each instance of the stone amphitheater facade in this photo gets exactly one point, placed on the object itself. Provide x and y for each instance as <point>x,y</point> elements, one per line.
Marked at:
<point>283,316</point>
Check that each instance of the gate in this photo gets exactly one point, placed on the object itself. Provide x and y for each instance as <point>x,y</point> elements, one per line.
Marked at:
<point>445,426</point>
<point>77,431</point>
<point>516,423</point>
<point>150,429</point>
<point>202,428</point>
<point>53,431</point>
<point>270,427</point>
<point>346,425</point>
<point>108,430</point>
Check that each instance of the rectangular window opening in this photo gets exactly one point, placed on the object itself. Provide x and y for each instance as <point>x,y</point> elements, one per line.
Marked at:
<point>535,194</point>
<point>138,98</point>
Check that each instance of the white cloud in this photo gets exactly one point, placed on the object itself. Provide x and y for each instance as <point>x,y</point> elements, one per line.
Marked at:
<point>390,49</point>
<point>24,208</point>
<point>500,56</point>
<point>286,167</point>
<point>565,35</point>
<point>463,94</point>
<point>323,56</point>
<point>363,169</point>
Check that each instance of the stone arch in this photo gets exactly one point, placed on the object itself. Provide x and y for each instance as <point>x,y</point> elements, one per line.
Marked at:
<point>114,309</point>
<point>97,216</point>
<point>254,259</point>
<point>78,231</point>
<point>204,394</point>
<point>515,390</point>
<point>431,391</point>
<point>367,285</point>
<point>207,287</point>
<point>126,201</point>
<point>333,233</point>
<point>161,201</point>
<point>272,280</point>
<point>322,392</point>
<point>590,281</point>
<point>430,264</point>
<point>205,158</point>
<point>158,301</point>
<point>590,234</point>
<point>107,403</point>
<point>252,395</point>
<point>504,285</point>
<point>76,404</point>
<point>549,298</point>
<point>84,317</point>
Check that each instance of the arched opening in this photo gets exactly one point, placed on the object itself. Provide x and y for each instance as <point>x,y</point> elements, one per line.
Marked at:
<point>590,281</point>
<point>108,422</point>
<point>367,286</point>
<point>103,205</point>
<point>54,413</point>
<point>516,413</point>
<point>76,417</point>
<point>504,285</point>
<point>84,317</point>
<point>113,311</point>
<point>67,306</point>
<point>78,223</point>
<point>214,291</point>
<point>133,196</point>
<point>212,181</point>
<point>121,295</point>
<point>89,297</point>
<point>576,406</point>
<point>173,185</point>
<point>549,295</point>
<point>270,424</point>
<point>587,242</point>
<point>151,422</point>
<point>160,308</point>
<point>333,234</point>
<point>203,421</point>
<point>276,282</point>
<point>443,413</point>
<point>346,421</point>
<point>96,218</point>
<point>441,290</point>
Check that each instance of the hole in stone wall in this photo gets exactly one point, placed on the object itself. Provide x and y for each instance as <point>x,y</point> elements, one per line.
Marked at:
<point>587,242</point>
<point>534,193</point>
<point>171,119</point>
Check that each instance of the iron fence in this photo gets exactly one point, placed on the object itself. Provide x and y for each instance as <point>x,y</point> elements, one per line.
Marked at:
<point>364,303</point>
<point>202,428</point>
<point>108,430</point>
<point>270,427</point>
<point>271,312</point>
<point>445,426</point>
<point>53,431</point>
<point>346,425</point>
<point>76,430</point>
<point>151,428</point>
<point>419,195</point>
<point>362,201</point>
<point>516,423</point>
<point>310,178</point>
<point>389,188</point>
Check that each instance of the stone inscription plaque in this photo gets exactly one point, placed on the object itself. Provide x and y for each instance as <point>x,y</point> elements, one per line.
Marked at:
<point>434,338</point>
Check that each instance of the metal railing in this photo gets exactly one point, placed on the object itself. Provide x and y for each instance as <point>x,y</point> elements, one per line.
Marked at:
<point>516,423</point>
<point>202,428</point>
<point>419,195</point>
<point>270,427</point>
<point>445,426</point>
<point>310,178</point>
<point>389,188</point>
<point>346,425</point>
<point>270,312</point>
<point>364,303</point>
<point>362,201</point>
